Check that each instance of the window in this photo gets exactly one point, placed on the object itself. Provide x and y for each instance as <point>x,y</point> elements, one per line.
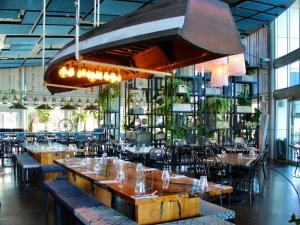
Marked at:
<point>287,31</point>
<point>281,77</point>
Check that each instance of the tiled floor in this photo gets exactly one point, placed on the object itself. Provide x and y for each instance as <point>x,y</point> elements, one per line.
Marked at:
<point>274,206</point>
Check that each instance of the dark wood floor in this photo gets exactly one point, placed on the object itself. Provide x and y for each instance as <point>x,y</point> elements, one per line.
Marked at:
<point>274,206</point>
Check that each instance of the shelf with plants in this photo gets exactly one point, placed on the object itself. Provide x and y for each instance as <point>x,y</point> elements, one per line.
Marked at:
<point>184,112</point>
<point>137,117</point>
<point>110,100</point>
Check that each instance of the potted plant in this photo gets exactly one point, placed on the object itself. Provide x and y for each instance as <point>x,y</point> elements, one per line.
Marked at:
<point>182,96</point>
<point>43,117</point>
<point>244,103</point>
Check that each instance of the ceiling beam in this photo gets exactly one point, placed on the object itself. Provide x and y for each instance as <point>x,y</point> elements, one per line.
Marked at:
<point>38,35</point>
<point>39,18</point>
<point>85,16</point>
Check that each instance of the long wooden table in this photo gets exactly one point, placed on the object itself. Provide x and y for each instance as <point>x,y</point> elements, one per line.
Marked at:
<point>179,199</point>
<point>45,153</point>
<point>232,159</point>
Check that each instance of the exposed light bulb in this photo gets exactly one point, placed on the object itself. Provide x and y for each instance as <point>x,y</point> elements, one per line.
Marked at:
<point>106,76</point>
<point>71,72</point>
<point>91,76</point>
<point>113,77</point>
<point>119,78</point>
<point>83,73</point>
<point>63,72</point>
<point>99,75</point>
<point>79,74</point>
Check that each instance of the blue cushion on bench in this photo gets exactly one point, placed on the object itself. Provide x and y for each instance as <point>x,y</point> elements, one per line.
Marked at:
<point>52,168</point>
<point>69,195</point>
<point>21,156</point>
<point>29,163</point>
<point>204,220</point>
<point>102,216</point>
<point>209,209</point>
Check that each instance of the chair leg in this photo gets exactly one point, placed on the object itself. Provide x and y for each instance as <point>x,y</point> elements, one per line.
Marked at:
<point>264,171</point>
<point>45,202</point>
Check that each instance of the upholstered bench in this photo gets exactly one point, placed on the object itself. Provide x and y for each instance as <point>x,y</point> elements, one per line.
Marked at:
<point>102,216</point>
<point>85,208</point>
<point>44,169</point>
<point>203,220</point>
<point>26,163</point>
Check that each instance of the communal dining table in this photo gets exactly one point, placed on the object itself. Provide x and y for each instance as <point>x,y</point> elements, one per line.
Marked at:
<point>234,159</point>
<point>179,198</point>
<point>45,153</point>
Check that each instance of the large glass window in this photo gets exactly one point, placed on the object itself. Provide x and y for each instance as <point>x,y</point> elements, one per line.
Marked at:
<point>287,76</point>
<point>281,129</point>
<point>287,30</point>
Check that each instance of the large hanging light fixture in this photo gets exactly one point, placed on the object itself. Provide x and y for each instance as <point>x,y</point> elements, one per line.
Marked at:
<point>45,105</point>
<point>68,107</point>
<point>219,77</point>
<point>18,105</point>
<point>236,65</point>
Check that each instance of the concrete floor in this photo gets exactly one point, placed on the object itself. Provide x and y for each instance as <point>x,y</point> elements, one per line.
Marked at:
<point>274,206</point>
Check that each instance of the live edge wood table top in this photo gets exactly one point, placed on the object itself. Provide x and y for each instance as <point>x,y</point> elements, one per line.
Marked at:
<point>179,199</point>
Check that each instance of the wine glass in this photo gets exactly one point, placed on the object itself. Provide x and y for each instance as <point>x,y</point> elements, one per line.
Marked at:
<point>67,158</point>
<point>140,187</point>
<point>97,168</point>
<point>165,176</point>
<point>203,183</point>
<point>140,170</point>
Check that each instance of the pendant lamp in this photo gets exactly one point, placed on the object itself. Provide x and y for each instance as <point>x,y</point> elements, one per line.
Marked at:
<point>236,65</point>
<point>219,77</point>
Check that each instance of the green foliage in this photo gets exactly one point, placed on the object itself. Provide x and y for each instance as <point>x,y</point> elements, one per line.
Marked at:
<point>43,115</point>
<point>249,71</point>
<point>107,94</point>
<point>30,123</point>
<point>128,127</point>
<point>79,116</point>
<point>243,97</point>
<point>256,116</point>
<point>294,220</point>
<point>218,105</point>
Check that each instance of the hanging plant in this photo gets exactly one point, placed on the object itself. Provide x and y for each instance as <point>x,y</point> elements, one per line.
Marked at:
<point>43,115</point>
<point>108,93</point>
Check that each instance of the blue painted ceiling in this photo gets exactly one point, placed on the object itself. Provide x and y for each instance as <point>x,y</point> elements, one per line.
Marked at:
<point>21,23</point>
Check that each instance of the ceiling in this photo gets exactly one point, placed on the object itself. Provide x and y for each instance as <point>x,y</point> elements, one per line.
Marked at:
<point>21,23</point>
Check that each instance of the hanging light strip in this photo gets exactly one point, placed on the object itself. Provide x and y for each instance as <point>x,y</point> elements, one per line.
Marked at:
<point>91,72</point>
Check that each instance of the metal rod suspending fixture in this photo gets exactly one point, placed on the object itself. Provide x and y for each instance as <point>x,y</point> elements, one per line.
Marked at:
<point>95,13</point>
<point>77,5</point>
<point>98,13</point>
<point>44,36</point>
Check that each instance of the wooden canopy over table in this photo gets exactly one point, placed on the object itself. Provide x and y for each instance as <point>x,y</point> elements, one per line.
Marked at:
<point>179,199</point>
